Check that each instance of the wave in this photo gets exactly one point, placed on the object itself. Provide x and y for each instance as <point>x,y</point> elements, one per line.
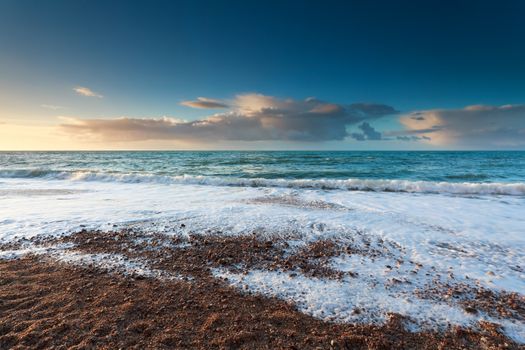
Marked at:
<point>376,185</point>
<point>467,177</point>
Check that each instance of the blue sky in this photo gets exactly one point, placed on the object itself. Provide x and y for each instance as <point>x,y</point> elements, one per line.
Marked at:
<point>147,57</point>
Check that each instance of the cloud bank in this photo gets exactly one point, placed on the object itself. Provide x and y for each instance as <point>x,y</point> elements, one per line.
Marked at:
<point>477,126</point>
<point>257,117</point>
<point>253,117</point>
<point>84,91</point>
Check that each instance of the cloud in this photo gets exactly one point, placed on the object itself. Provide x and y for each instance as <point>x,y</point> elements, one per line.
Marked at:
<point>84,91</point>
<point>206,103</point>
<point>412,133</point>
<point>53,107</point>
<point>368,133</point>
<point>478,126</point>
<point>373,109</point>
<point>122,129</point>
<point>413,138</point>
<point>253,117</point>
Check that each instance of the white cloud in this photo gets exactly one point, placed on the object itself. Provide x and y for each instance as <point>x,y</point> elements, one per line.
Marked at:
<point>84,91</point>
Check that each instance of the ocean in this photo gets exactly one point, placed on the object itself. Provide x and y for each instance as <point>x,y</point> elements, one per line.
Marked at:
<point>438,172</point>
<point>454,213</point>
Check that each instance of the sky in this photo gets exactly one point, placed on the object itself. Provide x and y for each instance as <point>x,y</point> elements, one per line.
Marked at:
<point>267,74</point>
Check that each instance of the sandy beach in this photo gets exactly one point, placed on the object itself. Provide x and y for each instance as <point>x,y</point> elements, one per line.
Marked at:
<point>128,289</point>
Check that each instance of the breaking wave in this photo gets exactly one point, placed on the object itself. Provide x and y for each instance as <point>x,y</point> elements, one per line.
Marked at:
<point>377,185</point>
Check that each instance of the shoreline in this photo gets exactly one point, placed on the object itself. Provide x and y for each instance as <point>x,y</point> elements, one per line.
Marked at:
<point>130,289</point>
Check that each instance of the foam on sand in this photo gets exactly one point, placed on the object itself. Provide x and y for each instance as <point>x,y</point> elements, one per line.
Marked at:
<point>480,240</point>
<point>353,300</point>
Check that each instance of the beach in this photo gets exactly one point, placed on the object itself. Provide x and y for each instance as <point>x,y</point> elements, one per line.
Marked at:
<point>262,175</point>
<point>100,255</point>
<point>97,295</point>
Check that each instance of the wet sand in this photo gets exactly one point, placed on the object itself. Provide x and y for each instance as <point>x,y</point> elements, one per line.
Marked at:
<point>49,304</point>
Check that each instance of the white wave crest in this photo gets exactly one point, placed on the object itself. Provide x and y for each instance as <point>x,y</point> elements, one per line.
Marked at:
<point>376,185</point>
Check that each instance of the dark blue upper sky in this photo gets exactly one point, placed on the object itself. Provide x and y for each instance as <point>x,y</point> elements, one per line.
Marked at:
<point>150,55</point>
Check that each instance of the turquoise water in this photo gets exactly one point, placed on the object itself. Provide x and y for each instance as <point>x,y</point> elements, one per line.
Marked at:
<point>484,167</point>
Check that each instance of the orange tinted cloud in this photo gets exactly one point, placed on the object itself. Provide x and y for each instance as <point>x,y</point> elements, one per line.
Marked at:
<point>473,126</point>
<point>254,117</point>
